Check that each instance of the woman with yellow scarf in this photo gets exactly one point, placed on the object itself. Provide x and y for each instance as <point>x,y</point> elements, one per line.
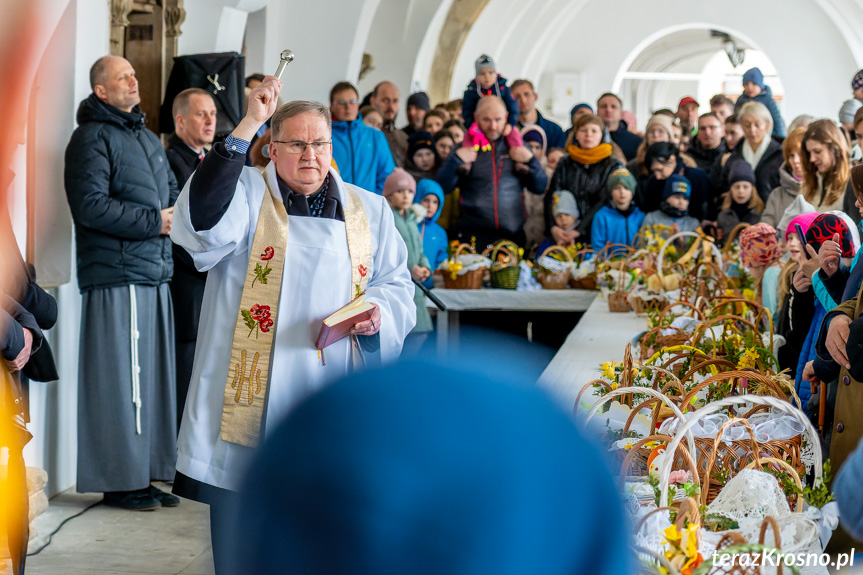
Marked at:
<point>584,172</point>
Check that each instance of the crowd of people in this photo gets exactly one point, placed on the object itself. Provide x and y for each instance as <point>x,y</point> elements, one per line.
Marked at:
<point>482,168</point>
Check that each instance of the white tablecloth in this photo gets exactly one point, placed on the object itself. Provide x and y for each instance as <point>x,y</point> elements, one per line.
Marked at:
<point>511,300</point>
<point>600,336</point>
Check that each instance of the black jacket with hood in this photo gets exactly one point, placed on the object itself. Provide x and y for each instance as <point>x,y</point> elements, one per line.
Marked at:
<point>117,181</point>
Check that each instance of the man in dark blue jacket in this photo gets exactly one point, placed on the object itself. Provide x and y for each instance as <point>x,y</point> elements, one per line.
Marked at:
<point>525,96</point>
<point>121,192</point>
<point>491,184</point>
<point>609,107</point>
<point>362,154</point>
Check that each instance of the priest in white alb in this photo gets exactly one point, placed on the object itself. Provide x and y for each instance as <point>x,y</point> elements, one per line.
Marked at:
<point>284,249</point>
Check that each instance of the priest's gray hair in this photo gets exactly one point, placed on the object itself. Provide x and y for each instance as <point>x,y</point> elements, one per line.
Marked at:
<point>296,108</point>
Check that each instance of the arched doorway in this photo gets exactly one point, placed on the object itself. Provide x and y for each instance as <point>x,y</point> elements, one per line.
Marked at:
<point>693,60</point>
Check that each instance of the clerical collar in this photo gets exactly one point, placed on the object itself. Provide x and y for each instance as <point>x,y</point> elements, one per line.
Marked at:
<point>320,204</point>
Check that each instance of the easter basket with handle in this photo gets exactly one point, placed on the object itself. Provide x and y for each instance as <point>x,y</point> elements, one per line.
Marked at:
<point>578,279</point>
<point>554,278</point>
<point>455,276</point>
<point>505,268</point>
<point>777,405</point>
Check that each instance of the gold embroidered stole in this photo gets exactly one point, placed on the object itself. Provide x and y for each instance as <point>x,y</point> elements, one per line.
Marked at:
<point>254,330</point>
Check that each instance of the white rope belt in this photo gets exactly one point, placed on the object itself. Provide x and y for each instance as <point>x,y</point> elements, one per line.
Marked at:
<point>134,336</point>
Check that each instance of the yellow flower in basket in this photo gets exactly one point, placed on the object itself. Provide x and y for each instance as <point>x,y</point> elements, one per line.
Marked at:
<point>454,268</point>
<point>748,359</point>
<point>683,553</point>
<point>607,369</point>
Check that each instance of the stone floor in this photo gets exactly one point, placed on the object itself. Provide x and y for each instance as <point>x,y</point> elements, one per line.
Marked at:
<point>108,541</point>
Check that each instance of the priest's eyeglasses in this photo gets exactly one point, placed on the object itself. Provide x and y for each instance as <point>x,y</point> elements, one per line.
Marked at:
<point>297,147</point>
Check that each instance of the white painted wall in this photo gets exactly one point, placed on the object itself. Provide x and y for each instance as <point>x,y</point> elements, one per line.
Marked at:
<point>212,26</point>
<point>256,27</point>
<point>398,31</point>
<point>327,37</point>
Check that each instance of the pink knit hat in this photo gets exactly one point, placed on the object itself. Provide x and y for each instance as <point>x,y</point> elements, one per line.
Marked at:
<point>399,180</point>
<point>805,220</point>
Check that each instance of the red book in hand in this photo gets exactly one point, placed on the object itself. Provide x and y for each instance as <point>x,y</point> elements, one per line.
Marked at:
<point>338,325</point>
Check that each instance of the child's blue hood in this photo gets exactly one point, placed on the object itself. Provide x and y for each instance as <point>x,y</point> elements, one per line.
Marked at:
<point>427,187</point>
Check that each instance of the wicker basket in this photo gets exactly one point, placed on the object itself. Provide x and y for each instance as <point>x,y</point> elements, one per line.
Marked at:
<point>553,279</point>
<point>587,282</point>
<point>469,280</point>
<point>683,432</point>
<point>618,302</point>
<point>505,275</point>
<point>642,305</point>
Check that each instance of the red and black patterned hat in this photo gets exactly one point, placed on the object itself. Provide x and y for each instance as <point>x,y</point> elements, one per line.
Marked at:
<point>823,228</point>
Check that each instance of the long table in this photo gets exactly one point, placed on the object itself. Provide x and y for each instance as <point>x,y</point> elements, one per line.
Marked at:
<point>600,336</point>
<point>566,300</point>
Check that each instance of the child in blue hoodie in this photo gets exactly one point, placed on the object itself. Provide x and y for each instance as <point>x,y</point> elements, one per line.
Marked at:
<point>435,242</point>
<point>619,221</point>
<point>754,90</point>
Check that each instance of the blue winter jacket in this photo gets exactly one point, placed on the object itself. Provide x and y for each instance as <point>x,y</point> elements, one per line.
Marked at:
<point>766,98</point>
<point>612,227</point>
<point>362,155</point>
<point>435,242</point>
<point>554,134</point>
<point>473,93</point>
<point>808,353</point>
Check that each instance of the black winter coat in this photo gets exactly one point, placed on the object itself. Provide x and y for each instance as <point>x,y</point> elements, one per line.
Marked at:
<point>117,180</point>
<point>491,192</point>
<point>702,205</point>
<point>766,172</point>
<point>588,183</point>
<point>187,286</point>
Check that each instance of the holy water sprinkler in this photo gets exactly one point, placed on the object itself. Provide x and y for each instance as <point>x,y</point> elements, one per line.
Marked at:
<point>286,58</point>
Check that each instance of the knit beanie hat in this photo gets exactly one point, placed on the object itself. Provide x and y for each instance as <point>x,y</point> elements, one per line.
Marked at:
<point>758,246</point>
<point>676,184</point>
<point>662,121</point>
<point>420,141</point>
<point>484,61</point>
<point>755,76</point>
<point>532,135</point>
<point>741,171</point>
<point>623,177</point>
<point>823,228</point>
<point>805,220</point>
<point>855,231</point>
<point>420,100</point>
<point>563,202</point>
<point>857,82</point>
<point>848,109</point>
<point>578,107</point>
<point>399,180</point>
